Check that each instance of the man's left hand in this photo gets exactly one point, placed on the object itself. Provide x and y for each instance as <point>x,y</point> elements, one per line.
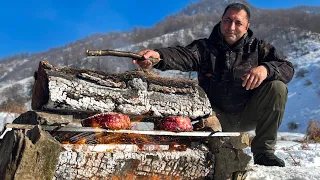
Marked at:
<point>254,77</point>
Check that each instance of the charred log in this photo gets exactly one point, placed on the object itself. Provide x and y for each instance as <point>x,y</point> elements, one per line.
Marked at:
<point>189,164</point>
<point>68,90</point>
<point>34,154</point>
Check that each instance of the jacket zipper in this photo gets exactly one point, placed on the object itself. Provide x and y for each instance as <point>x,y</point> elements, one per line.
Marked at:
<point>231,66</point>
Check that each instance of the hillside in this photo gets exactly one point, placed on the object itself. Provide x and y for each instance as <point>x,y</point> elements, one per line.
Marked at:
<point>304,90</point>
<point>264,22</point>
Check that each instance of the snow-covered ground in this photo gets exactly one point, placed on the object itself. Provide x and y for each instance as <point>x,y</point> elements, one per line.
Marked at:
<point>23,82</point>
<point>304,92</point>
<point>6,118</point>
<point>302,160</point>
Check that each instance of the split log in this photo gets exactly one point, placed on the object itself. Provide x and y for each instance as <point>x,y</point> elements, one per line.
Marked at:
<point>73,91</point>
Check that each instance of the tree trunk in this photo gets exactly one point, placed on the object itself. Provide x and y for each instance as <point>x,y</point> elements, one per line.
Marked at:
<point>73,91</point>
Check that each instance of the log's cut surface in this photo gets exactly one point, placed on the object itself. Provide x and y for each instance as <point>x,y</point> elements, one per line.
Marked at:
<point>68,90</point>
<point>188,164</point>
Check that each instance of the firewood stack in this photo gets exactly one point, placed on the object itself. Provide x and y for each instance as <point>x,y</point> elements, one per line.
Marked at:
<point>50,142</point>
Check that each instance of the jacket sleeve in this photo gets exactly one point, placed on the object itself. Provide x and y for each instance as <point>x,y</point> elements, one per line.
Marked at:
<point>278,68</point>
<point>180,58</point>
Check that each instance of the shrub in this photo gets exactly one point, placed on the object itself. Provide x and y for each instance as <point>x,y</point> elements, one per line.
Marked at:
<point>308,82</point>
<point>12,107</point>
<point>301,73</point>
<point>293,126</point>
<point>16,93</point>
<point>313,131</point>
<point>295,66</point>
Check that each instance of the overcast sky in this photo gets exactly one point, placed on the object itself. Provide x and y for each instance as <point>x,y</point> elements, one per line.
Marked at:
<point>38,25</point>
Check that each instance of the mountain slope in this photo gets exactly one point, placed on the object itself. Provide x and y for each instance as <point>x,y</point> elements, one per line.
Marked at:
<point>308,9</point>
<point>304,90</point>
<point>213,7</point>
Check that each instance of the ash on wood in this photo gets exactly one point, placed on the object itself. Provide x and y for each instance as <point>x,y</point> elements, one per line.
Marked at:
<point>189,164</point>
<point>74,91</point>
<point>34,154</point>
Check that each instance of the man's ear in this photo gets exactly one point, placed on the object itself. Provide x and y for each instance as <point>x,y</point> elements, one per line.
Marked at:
<point>248,26</point>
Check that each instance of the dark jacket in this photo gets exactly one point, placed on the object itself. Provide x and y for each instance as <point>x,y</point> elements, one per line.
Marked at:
<point>220,67</point>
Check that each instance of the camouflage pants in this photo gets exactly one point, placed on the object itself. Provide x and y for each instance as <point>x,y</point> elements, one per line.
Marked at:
<point>263,112</point>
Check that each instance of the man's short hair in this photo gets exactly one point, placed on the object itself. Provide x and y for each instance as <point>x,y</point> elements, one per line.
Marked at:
<point>238,7</point>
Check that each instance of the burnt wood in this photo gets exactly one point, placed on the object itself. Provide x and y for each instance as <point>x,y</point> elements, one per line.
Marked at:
<point>136,93</point>
<point>79,162</point>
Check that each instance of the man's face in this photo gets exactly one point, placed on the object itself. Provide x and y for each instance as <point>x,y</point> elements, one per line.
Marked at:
<point>234,25</point>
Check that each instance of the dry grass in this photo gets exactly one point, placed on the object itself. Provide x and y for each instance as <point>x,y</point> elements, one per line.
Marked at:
<point>313,131</point>
<point>293,126</point>
<point>308,82</point>
<point>12,107</point>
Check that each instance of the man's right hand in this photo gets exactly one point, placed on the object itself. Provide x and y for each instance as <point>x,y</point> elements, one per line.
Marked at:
<point>146,64</point>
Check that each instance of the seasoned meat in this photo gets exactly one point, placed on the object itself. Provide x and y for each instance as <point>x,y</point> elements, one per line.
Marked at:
<point>175,123</point>
<point>111,120</point>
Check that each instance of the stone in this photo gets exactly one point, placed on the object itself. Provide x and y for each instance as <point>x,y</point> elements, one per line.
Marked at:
<point>29,154</point>
<point>43,118</point>
<point>229,155</point>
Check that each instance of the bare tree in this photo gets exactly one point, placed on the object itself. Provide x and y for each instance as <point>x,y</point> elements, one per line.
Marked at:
<point>14,92</point>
